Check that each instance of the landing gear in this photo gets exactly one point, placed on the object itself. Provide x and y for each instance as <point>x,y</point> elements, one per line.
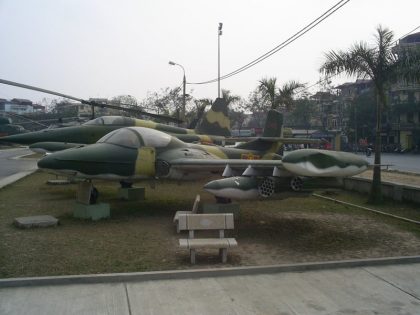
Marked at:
<point>125,184</point>
<point>296,183</point>
<point>222,200</point>
<point>94,194</point>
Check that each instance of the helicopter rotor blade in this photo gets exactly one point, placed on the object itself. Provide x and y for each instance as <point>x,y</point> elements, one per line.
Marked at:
<point>34,88</point>
<point>92,103</point>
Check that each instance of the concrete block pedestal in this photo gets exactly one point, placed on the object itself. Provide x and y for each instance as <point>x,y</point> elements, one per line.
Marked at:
<point>35,221</point>
<point>132,194</point>
<point>94,212</point>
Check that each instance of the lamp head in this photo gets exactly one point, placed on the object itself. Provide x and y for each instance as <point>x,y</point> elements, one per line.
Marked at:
<point>172,63</point>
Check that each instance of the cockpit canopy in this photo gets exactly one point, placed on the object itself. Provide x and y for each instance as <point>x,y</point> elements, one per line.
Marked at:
<point>136,137</point>
<point>111,121</point>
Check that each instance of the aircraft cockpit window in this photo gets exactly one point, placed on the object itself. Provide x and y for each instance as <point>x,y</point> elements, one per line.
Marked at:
<point>96,121</point>
<point>112,120</point>
<point>123,137</point>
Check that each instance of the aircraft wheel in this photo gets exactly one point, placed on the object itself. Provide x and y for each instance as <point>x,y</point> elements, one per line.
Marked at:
<point>94,193</point>
<point>296,183</point>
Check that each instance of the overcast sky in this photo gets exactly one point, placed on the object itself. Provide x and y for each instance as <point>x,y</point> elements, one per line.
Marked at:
<point>104,48</point>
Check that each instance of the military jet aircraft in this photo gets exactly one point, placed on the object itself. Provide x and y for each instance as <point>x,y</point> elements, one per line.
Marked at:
<point>134,153</point>
<point>214,128</point>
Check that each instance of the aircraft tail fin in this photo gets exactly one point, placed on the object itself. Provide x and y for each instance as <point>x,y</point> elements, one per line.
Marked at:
<point>272,129</point>
<point>274,124</point>
<point>216,121</point>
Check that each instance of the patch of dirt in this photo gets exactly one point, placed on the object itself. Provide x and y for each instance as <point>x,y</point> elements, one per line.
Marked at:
<point>302,237</point>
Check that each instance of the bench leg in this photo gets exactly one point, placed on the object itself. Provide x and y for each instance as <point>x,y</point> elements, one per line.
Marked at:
<point>223,254</point>
<point>177,227</point>
<point>192,255</point>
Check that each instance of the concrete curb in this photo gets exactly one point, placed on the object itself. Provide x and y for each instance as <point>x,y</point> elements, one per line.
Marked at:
<point>15,177</point>
<point>202,273</point>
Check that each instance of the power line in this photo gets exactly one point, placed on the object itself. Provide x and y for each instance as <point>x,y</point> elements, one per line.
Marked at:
<point>285,43</point>
<point>334,75</point>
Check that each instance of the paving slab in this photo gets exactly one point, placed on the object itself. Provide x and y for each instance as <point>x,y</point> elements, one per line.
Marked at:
<point>35,221</point>
<point>341,291</point>
<point>71,299</point>
<point>406,278</point>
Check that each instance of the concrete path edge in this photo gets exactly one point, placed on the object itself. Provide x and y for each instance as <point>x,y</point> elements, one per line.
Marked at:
<point>15,177</point>
<point>203,273</point>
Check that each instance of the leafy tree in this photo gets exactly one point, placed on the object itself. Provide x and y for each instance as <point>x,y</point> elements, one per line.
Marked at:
<point>167,101</point>
<point>279,97</point>
<point>124,100</point>
<point>194,115</point>
<point>303,113</point>
<point>382,66</point>
<point>258,106</point>
<point>361,115</point>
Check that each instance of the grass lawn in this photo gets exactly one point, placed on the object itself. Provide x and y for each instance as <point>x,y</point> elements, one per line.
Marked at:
<point>140,236</point>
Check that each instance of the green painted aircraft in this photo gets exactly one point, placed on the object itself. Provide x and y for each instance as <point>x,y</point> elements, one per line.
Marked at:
<point>214,128</point>
<point>136,153</point>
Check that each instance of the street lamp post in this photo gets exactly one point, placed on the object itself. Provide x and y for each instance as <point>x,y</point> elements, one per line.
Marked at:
<point>219,33</point>
<point>184,83</point>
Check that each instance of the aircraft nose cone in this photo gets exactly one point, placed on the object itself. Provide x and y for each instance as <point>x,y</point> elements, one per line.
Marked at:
<point>46,162</point>
<point>92,160</point>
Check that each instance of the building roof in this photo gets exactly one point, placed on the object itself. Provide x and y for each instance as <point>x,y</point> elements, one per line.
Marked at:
<point>412,38</point>
<point>21,101</point>
<point>349,84</point>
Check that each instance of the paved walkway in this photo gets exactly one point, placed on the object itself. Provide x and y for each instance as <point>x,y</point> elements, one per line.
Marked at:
<point>390,290</point>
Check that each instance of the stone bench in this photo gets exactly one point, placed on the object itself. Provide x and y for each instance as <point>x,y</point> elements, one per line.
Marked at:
<point>194,222</point>
<point>194,210</point>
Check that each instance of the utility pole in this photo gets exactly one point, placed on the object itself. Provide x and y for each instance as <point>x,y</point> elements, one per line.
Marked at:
<point>218,58</point>
<point>184,84</point>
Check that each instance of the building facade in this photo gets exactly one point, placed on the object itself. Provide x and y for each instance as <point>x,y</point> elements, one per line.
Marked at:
<point>405,102</point>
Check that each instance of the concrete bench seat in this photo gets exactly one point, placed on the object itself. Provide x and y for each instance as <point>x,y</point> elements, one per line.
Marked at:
<point>215,221</point>
<point>208,243</point>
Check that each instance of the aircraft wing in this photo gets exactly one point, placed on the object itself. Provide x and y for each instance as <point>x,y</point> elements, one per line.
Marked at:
<point>306,162</point>
<point>277,139</point>
<point>191,164</point>
<point>230,167</point>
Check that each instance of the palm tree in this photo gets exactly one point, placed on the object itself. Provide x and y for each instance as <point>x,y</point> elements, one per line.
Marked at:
<point>229,97</point>
<point>279,97</point>
<point>382,66</point>
<point>286,93</point>
<point>268,89</point>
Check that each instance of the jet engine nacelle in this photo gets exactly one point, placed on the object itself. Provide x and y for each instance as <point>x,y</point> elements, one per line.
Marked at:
<point>323,163</point>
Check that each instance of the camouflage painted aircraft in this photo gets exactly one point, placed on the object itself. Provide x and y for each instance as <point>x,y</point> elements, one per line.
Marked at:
<point>214,127</point>
<point>136,153</point>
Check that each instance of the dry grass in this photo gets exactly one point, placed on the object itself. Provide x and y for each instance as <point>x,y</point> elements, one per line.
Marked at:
<point>140,236</point>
